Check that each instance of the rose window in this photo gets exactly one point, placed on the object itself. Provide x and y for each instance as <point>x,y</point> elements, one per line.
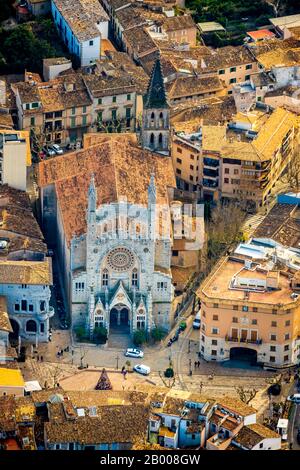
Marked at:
<point>120,259</point>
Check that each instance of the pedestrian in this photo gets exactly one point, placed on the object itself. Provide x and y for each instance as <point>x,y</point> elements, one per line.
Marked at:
<point>199,363</point>
<point>37,358</point>
<point>195,364</point>
<point>42,358</point>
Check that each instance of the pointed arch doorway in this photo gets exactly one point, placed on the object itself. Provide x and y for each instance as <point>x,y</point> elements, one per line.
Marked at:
<point>119,319</point>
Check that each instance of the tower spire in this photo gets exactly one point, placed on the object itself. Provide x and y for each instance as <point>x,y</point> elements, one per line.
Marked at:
<point>152,190</point>
<point>92,201</point>
<point>156,94</point>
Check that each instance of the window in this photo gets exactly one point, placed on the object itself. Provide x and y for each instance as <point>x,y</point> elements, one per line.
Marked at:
<point>235,171</point>
<point>221,72</point>
<point>235,307</point>
<point>273,348</point>
<point>42,305</point>
<point>175,252</point>
<point>128,97</point>
<point>226,171</point>
<point>24,305</point>
<point>134,278</point>
<point>17,307</point>
<point>272,359</point>
<point>32,121</point>
<point>105,278</point>
<point>114,99</point>
<point>274,311</point>
<point>31,326</point>
<point>215,305</point>
<point>178,171</point>
<point>42,327</point>
<point>248,66</point>
<point>287,323</point>
<point>232,80</point>
<point>214,342</point>
<point>286,358</point>
<point>215,317</point>
<point>215,331</point>
<point>254,309</point>
<point>286,347</point>
<point>99,100</point>
<point>245,308</point>
<point>226,180</point>
<point>287,336</point>
<point>34,105</point>
<point>179,150</point>
<point>247,77</point>
<point>213,352</point>
<point>84,109</point>
<point>274,324</point>
<point>235,320</point>
<point>114,114</point>
<point>91,43</point>
<point>73,111</point>
<point>84,120</point>
<point>30,308</point>
<point>232,69</point>
<point>273,337</point>
<point>73,122</point>
<point>178,160</point>
<point>254,321</point>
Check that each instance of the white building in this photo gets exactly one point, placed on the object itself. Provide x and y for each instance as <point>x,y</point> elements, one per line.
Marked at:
<point>116,273</point>
<point>13,154</point>
<point>25,270</point>
<point>81,24</point>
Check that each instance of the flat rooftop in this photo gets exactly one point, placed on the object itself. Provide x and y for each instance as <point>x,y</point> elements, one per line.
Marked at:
<point>218,285</point>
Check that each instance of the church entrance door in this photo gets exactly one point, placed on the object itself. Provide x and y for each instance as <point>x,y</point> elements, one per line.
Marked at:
<point>119,319</point>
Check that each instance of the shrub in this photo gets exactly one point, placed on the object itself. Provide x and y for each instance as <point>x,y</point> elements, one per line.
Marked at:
<point>139,337</point>
<point>169,372</point>
<point>100,334</point>
<point>80,332</point>
<point>158,333</point>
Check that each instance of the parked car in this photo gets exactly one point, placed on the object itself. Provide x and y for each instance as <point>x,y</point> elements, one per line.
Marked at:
<point>49,151</point>
<point>134,352</point>
<point>295,398</point>
<point>197,321</point>
<point>57,149</point>
<point>142,369</point>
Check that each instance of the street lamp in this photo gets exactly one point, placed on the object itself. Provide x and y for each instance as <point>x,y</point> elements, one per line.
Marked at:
<point>117,359</point>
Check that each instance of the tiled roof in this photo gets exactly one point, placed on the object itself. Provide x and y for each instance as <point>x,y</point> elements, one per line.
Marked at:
<point>26,272</point>
<point>17,222</point>
<point>120,169</point>
<point>140,41</point>
<point>236,405</point>
<point>177,23</point>
<point>113,424</point>
<point>188,86</point>
<point>251,435</point>
<point>4,320</point>
<point>82,16</point>
<point>228,56</point>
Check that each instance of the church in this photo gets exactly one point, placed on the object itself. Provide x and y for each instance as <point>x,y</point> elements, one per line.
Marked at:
<point>108,206</point>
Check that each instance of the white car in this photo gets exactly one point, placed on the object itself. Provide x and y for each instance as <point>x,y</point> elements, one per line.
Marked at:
<point>134,352</point>
<point>142,369</point>
<point>49,151</point>
<point>57,149</point>
<point>294,398</point>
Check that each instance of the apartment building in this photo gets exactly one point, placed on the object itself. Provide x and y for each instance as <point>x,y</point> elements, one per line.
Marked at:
<point>187,161</point>
<point>250,306</point>
<point>14,153</point>
<point>59,110</point>
<point>82,24</point>
<point>181,29</point>
<point>232,65</point>
<point>245,159</point>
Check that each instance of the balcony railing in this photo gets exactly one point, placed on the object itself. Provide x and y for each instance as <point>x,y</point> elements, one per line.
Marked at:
<point>231,339</point>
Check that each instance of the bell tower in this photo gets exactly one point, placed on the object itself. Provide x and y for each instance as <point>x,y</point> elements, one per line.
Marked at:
<point>156,114</point>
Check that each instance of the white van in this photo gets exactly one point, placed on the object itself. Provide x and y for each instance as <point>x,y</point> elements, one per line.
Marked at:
<point>294,398</point>
<point>197,321</point>
<point>142,369</point>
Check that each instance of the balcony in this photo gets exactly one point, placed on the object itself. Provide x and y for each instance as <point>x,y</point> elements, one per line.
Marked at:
<point>231,339</point>
<point>42,316</point>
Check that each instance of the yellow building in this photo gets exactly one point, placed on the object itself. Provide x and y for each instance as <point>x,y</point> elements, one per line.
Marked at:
<point>245,159</point>
<point>252,310</point>
<point>11,382</point>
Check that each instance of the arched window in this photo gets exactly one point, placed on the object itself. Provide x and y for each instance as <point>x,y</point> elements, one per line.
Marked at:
<point>104,278</point>
<point>152,115</point>
<point>31,326</point>
<point>134,278</point>
<point>160,140</point>
<point>152,139</point>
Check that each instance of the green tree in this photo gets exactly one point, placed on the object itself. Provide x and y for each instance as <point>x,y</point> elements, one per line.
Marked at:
<point>100,334</point>
<point>139,337</point>
<point>80,332</point>
<point>158,333</point>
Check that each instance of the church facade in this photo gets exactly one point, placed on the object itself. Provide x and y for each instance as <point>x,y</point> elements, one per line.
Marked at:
<point>121,286</point>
